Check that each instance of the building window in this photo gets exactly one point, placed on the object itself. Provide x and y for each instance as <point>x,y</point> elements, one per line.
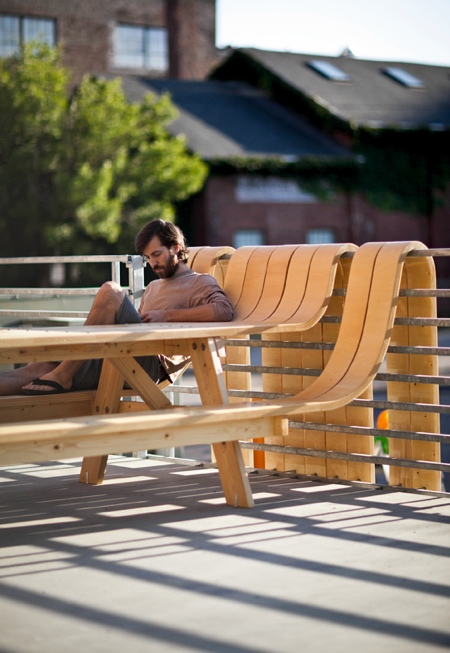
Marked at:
<point>319,236</point>
<point>141,47</point>
<point>403,77</point>
<point>253,188</point>
<point>16,30</point>
<point>243,237</point>
<point>329,70</point>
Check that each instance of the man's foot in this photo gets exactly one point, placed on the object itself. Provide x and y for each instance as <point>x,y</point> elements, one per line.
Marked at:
<point>12,381</point>
<point>44,387</point>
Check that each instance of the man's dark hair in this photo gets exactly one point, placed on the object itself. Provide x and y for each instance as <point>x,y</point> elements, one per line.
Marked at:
<point>169,234</point>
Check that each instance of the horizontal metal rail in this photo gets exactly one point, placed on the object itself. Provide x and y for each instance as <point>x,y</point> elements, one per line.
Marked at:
<point>329,346</point>
<point>135,288</point>
<point>402,321</point>
<point>36,314</point>
<point>307,371</point>
<point>15,293</point>
<point>33,260</point>
<point>441,409</point>
<point>350,457</point>
<point>365,430</point>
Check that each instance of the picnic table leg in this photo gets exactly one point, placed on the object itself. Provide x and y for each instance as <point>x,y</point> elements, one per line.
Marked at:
<point>211,385</point>
<point>106,402</point>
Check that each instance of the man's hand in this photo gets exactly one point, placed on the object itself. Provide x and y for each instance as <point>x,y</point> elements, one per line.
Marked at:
<point>154,316</point>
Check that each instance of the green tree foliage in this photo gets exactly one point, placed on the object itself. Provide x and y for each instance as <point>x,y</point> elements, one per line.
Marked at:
<point>81,173</point>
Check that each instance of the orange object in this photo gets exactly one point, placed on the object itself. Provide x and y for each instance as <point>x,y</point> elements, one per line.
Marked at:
<point>383,420</point>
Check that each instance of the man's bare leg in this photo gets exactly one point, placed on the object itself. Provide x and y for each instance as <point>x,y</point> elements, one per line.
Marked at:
<point>12,381</point>
<point>104,310</point>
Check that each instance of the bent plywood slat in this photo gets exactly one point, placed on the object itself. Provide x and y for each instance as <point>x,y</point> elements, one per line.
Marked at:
<point>253,283</point>
<point>313,272</point>
<point>418,273</point>
<point>206,258</point>
<point>272,272</point>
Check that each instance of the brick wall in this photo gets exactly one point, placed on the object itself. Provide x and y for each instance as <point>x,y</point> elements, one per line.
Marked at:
<point>85,28</point>
<point>192,37</point>
<point>216,214</point>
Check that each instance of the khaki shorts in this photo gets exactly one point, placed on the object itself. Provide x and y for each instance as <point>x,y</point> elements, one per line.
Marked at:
<point>88,375</point>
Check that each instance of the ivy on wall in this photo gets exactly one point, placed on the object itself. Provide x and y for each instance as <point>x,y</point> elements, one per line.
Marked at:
<point>314,174</point>
<point>404,170</point>
<point>393,169</point>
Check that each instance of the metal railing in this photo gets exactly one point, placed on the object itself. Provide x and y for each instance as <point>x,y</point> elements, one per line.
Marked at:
<point>12,296</point>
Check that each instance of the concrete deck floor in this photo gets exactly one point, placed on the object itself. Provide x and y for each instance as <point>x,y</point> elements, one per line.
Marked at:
<point>153,560</point>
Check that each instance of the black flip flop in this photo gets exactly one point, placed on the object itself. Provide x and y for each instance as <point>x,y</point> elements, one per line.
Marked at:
<point>53,384</point>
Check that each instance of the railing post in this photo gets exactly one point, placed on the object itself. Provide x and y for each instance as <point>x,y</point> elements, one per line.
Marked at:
<point>135,265</point>
<point>115,271</point>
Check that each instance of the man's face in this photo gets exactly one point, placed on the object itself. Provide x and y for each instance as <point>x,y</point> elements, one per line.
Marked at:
<point>162,260</point>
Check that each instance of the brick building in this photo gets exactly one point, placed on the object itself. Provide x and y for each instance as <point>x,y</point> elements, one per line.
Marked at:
<point>264,121</point>
<point>158,38</point>
<point>395,119</point>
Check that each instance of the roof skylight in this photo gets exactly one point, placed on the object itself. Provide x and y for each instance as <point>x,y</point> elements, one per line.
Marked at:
<point>329,70</point>
<point>404,77</point>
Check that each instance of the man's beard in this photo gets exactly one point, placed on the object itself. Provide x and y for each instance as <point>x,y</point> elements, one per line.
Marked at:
<point>168,270</point>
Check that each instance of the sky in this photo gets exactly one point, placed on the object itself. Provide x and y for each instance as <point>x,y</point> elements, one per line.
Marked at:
<point>416,31</point>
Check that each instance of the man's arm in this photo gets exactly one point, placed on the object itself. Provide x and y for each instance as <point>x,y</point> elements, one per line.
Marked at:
<point>204,313</point>
<point>200,300</point>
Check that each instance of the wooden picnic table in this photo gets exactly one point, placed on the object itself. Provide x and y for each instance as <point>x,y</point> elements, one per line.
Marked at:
<point>118,346</point>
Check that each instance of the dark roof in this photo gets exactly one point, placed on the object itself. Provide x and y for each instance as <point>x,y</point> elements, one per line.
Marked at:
<point>370,97</point>
<point>233,119</point>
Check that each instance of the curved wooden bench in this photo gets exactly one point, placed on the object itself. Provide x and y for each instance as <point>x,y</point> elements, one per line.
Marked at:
<point>275,273</point>
<point>364,335</point>
<point>366,328</point>
<point>365,331</point>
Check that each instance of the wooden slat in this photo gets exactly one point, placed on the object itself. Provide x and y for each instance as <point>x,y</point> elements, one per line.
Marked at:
<point>212,388</point>
<point>254,281</point>
<point>114,372</point>
<point>141,383</point>
<point>20,408</point>
<point>207,258</point>
<point>308,291</point>
<point>98,435</point>
<point>106,402</point>
<point>366,324</point>
<point>235,279</point>
<point>271,273</point>
<point>418,273</point>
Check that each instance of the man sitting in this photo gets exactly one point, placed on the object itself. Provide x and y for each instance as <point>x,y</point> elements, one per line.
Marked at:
<point>178,295</point>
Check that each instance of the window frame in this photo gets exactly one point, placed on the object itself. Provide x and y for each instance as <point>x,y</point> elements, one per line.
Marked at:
<point>154,60</point>
<point>21,33</point>
<point>317,231</point>
<point>247,240</point>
